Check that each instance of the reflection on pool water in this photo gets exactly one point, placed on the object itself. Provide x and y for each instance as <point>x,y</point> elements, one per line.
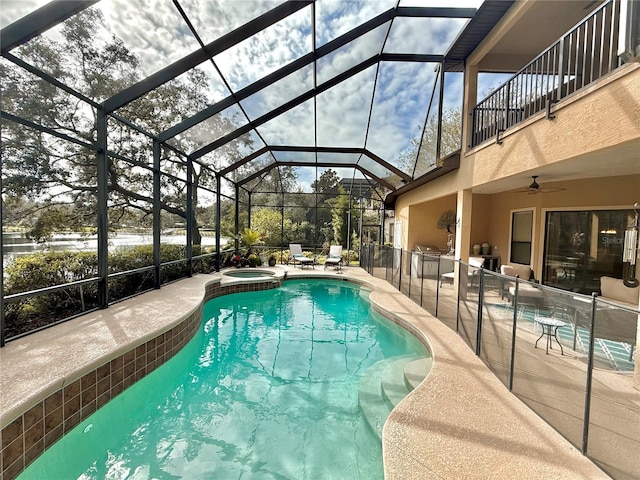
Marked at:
<point>268,388</point>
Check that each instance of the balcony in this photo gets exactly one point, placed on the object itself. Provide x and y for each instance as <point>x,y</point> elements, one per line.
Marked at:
<point>583,55</point>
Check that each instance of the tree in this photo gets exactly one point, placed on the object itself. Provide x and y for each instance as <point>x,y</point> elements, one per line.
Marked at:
<point>51,172</point>
<point>326,183</point>
<point>339,217</point>
<point>326,187</point>
<point>423,155</point>
<point>269,222</point>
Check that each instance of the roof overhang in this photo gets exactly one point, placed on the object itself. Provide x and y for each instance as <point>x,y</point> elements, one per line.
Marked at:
<point>445,166</point>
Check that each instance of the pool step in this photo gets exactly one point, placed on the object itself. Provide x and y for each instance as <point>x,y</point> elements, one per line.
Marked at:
<point>416,371</point>
<point>392,383</point>
<point>373,405</point>
<point>385,384</point>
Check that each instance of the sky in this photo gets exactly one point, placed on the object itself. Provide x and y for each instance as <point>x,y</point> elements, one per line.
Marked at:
<point>350,114</point>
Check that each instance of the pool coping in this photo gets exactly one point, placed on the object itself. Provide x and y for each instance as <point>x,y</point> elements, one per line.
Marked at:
<point>455,424</point>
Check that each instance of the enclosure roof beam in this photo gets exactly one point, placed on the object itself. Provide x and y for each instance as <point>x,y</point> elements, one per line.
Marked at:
<point>357,150</point>
<point>212,49</point>
<point>266,169</point>
<point>376,178</point>
<point>293,103</point>
<point>287,106</point>
<point>245,160</point>
<point>319,53</point>
<point>39,21</point>
<point>278,74</point>
<point>257,174</point>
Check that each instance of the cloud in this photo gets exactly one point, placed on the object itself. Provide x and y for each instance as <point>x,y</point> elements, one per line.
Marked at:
<point>336,17</point>
<point>13,10</point>
<point>151,29</point>
<point>155,32</point>
<point>423,35</point>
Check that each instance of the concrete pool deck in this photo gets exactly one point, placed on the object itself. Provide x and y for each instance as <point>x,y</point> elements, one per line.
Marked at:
<point>461,422</point>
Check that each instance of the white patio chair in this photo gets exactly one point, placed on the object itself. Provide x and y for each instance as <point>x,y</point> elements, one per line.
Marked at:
<point>296,253</point>
<point>335,257</point>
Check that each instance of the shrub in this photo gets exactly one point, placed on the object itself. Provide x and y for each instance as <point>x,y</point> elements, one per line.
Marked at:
<point>46,269</point>
<point>254,260</point>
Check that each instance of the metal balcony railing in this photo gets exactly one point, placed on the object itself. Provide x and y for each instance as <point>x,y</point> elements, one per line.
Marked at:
<point>581,56</point>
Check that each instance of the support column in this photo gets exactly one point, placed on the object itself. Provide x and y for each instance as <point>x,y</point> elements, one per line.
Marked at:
<point>464,204</point>
<point>190,216</point>
<point>237,218</point>
<point>470,101</point>
<point>2,323</point>
<point>249,210</point>
<point>440,110</point>
<point>218,213</point>
<point>102,212</point>
<point>156,214</point>
<point>348,225</point>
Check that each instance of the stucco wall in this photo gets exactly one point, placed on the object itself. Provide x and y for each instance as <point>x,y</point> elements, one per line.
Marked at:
<point>592,121</point>
<point>594,193</point>
<point>423,222</point>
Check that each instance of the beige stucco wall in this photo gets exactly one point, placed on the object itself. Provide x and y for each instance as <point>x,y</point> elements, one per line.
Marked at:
<point>592,121</point>
<point>424,217</point>
<point>491,214</point>
<point>594,193</point>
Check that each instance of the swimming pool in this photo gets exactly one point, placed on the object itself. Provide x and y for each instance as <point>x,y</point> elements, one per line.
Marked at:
<point>268,388</point>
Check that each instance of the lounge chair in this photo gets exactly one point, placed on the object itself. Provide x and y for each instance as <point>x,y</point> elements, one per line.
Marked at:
<point>296,253</point>
<point>335,257</point>
<point>527,293</point>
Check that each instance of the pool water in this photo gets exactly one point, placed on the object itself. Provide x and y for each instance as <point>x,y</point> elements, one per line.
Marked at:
<point>267,389</point>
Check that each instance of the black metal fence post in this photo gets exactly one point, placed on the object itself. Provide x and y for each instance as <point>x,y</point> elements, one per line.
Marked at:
<point>513,335</point>
<point>479,328</point>
<point>587,394</point>
<point>438,281</point>
<point>410,270</point>
<point>400,271</point>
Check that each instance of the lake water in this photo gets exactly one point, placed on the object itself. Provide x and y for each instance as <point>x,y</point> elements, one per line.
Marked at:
<point>17,243</point>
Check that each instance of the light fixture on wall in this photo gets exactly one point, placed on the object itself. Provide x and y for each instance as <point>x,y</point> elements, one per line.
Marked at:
<point>630,252</point>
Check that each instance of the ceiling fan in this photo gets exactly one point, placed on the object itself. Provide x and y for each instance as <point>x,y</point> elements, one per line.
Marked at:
<point>535,188</point>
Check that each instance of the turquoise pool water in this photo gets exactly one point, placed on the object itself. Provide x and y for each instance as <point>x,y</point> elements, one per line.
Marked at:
<point>267,389</point>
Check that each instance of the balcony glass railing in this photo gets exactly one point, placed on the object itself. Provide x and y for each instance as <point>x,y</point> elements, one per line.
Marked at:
<point>569,357</point>
<point>578,58</point>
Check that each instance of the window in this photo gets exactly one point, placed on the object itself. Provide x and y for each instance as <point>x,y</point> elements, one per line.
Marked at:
<point>582,246</point>
<point>521,234</point>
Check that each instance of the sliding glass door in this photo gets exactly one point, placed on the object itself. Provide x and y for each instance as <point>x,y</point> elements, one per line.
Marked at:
<point>582,246</point>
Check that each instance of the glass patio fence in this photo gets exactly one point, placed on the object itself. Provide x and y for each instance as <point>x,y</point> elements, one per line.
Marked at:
<point>569,357</point>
